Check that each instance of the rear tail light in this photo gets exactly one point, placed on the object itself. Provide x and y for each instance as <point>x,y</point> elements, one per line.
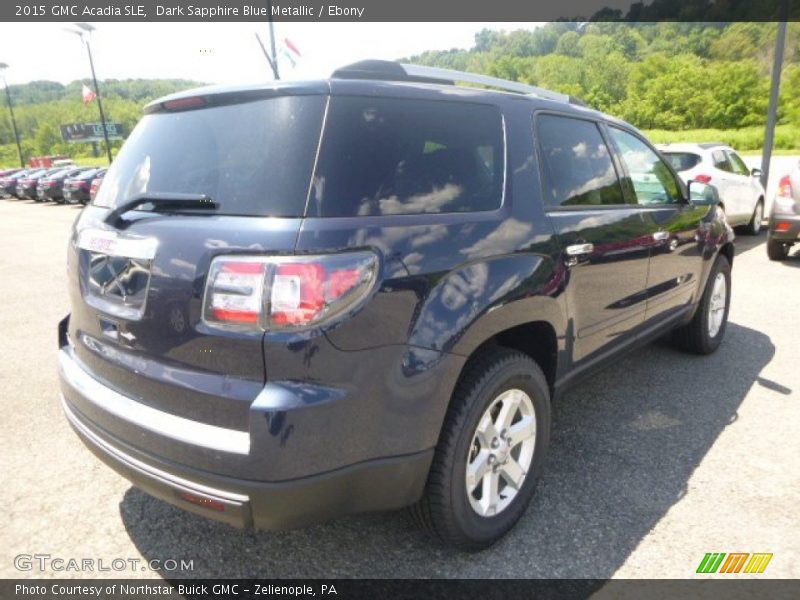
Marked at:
<point>785,187</point>
<point>95,187</point>
<point>783,226</point>
<point>703,179</point>
<point>784,202</point>
<point>254,293</point>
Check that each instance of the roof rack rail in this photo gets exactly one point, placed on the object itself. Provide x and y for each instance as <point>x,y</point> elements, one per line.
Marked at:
<point>392,71</point>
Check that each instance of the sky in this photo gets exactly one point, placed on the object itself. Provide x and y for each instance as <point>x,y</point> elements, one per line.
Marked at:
<point>217,52</point>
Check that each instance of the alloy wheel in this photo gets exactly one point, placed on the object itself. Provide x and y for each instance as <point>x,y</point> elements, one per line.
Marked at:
<point>758,216</point>
<point>501,453</point>
<point>716,306</point>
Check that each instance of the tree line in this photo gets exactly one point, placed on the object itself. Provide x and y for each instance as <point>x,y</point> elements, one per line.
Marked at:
<point>673,76</point>
<point>665,76</point>
<point>41,107</point>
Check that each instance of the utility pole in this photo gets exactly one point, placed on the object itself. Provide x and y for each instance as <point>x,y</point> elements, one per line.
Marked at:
<point>274,61</point>
<point>88,30</point>
<point>3,67</point>
<point>772,112</point>
<point>272,64</point>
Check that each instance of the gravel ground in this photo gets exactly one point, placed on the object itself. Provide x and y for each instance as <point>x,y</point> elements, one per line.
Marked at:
<point>653,463</point>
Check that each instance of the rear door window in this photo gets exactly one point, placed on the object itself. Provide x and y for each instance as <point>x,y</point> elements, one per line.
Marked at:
<point>387,156</point>
<point>254,158</point>
<point>578,170</point>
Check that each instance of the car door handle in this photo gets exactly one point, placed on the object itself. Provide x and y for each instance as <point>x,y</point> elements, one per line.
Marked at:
<point>579,249</point>
<point>661,235</point>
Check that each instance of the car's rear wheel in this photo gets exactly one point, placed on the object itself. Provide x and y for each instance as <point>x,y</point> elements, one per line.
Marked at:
<point>777,250</point>
<point>754,226</point>
<point>490,452</point>
<point>704,333</point>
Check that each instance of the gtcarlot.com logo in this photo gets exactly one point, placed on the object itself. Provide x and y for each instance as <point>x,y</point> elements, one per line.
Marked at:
<point>734,562</point>
<point>47,562</point>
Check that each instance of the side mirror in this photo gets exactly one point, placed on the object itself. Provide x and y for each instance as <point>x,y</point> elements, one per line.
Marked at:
<point>703,193</point>
<point>755,172</point>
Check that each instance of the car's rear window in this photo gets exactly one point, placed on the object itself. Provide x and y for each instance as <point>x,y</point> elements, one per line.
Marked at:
<point>252,159</point>
<point>382,156</point>
<point>86,174</point>
<point>682,161</point>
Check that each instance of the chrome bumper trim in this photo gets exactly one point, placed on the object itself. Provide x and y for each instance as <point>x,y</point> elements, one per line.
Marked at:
<point>171,426</point>
<point>149,471</point>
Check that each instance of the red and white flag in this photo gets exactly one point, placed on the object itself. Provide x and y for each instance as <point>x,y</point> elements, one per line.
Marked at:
<point>290,51</point>
<point>88,94</point>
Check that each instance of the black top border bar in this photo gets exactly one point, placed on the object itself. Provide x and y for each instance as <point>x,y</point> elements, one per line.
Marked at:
<point>399,10</point>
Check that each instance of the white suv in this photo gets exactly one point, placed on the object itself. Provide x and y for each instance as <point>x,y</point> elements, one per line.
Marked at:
<point>740,191</point>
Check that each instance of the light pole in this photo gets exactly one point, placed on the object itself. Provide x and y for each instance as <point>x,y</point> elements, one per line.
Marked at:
<point>86,28</point>
<point>274,63</point>
<point>772,111</point>
<point>3,67</point>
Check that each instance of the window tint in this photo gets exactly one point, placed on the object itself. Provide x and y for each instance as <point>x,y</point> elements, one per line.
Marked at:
<point>738,164</point>
<point>578,166</point>
<point>682,161</point>
<point>721,161</point>
<point>254,158</point>
<point>383,156</point>
<point>650,178</point>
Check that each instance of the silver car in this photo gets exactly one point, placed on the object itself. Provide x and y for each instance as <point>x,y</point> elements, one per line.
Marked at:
<point>784,220</point>
<point>740,190</point>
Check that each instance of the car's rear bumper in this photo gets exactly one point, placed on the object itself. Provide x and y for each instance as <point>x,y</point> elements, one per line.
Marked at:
<point>77,196</point>
<point>379,484</point>
<point>784,228</point>
<point>384,484</point>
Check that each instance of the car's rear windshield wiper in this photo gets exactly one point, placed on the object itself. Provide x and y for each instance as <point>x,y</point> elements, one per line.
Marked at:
<point>162,201</point>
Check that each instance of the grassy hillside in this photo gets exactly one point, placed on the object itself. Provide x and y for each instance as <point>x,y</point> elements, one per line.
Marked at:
<point>747,139</point>
<point>686,79</point>
<point>677,81</point>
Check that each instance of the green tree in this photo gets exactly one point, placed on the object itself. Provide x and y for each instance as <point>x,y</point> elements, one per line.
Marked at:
<point>47,137</point>
<point>568,44</point>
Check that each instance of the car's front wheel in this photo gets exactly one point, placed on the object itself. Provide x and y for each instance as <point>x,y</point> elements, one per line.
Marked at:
<point>490,453</point>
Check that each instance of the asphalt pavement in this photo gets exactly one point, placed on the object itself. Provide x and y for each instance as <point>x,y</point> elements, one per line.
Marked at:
<point>654,462</point>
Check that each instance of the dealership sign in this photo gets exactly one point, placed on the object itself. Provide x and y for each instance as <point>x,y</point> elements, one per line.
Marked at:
<point>90,132</point>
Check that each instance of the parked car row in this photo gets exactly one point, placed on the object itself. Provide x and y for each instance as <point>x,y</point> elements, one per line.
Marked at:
<point>62,184</point>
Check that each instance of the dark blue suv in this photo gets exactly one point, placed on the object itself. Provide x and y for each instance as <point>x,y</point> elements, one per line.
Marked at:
<point>302,300</point>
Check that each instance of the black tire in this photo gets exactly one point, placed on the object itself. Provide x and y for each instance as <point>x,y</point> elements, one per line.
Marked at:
<point>695,336</point>
<point>777,250</point>
<point>444,510</point>
<point>754,226</point>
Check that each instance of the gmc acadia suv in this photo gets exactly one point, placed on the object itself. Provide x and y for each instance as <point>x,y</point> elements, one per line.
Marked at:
<point>302,300</point>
